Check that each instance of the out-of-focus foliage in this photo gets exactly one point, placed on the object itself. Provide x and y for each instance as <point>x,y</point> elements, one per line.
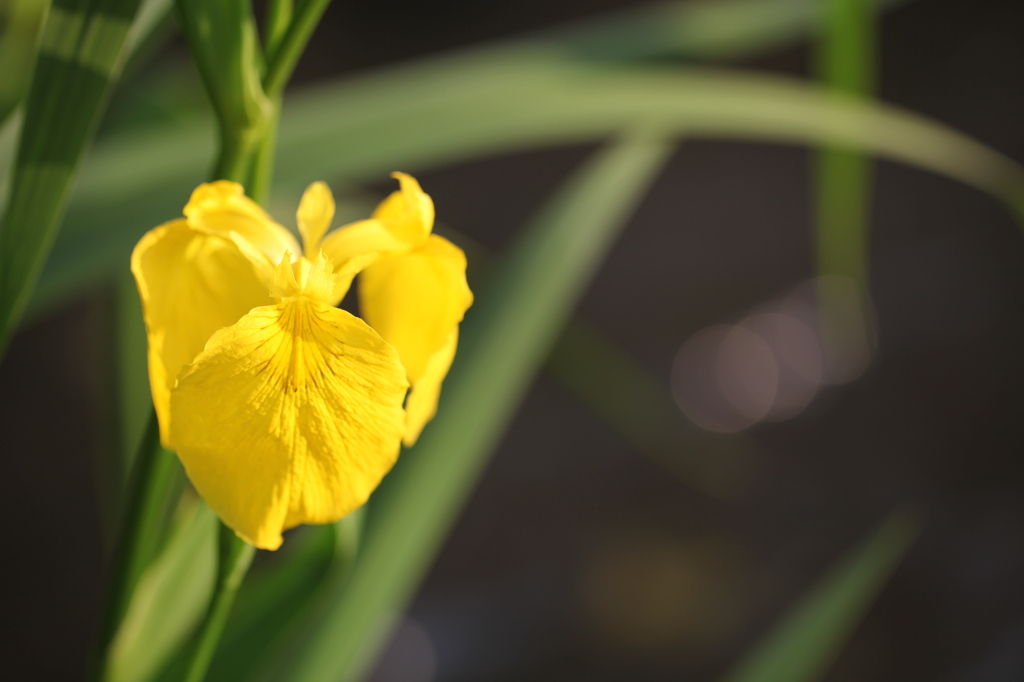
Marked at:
<point>172,594</point>
<point>802,646</point>
<point>21,23</point>
<point>80,54</point>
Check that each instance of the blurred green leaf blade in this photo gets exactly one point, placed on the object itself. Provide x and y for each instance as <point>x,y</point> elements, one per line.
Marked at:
<point>21,24</point>
<point>170,599</point>
<point>808,638</point>
<point>708,30</point>
<point>79,55</point>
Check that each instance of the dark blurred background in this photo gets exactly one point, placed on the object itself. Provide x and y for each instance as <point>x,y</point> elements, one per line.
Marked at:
<point>578,557</point>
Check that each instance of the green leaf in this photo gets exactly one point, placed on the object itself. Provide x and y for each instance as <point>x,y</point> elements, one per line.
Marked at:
<point>170,599</point>
<point>709,30</point>
<point>21,24</point>
<point>807,640</point>
<point>364,128</point>
<point>79,55</point>
<point>9,132</point>
<point>133,394</point>
<point>266,652</point>
<point>269,600</point>
<point>369,127</point>
<point>505,338</point>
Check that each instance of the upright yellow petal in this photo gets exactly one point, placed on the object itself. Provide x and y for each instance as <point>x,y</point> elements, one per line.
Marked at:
<point>221,208</point>
<point>415,299</point>
<point>421,405</point>
<point>409,212</point>
<point>191,284</point>
<point>292,415</point>
<point>316,211</point>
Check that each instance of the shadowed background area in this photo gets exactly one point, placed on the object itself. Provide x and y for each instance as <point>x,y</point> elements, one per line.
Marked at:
<point>587,552</point>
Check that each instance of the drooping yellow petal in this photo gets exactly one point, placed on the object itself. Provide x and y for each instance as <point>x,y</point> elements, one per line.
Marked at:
<point>415,299</point>
<point>292,415</point>
<point>316,211</point>
<point>221,208</point>
<point>191,284</point>
<point>421,405</point>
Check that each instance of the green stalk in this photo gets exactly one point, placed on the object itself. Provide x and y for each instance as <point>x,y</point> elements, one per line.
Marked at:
<point>279,17</point>
<point>278,20</point>
<point>234,559</point>
<point>262,174</point>
<point>844,177</point>
<point>235,157</point>
<point>286,36</point>
<point>846,64</point>
<point>150,489</point>
<point>281,62</point>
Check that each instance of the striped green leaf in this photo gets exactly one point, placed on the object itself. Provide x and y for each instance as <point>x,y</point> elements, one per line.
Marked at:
<point>21,24</point>
<point>80,53</point>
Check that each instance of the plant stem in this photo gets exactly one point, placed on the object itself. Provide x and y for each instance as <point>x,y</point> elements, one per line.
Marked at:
<point>845,64</point>
<point>279,16</point>
<point>843,201</point>
<point>282,62</point>
<point>150,489</point>
<point>236,153</point>
<point>262,173</point>
<point>235,556</point>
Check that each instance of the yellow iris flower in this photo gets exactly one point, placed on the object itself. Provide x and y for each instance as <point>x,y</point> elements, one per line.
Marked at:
<point>283,408</point>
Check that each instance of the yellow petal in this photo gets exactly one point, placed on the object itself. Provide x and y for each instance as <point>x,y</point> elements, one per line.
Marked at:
<point>415,299</point>
<point>265,268</point>
<point>421,405</point>
<point>409,212</point>
<point>221,208</point>
<point>316,211</point>
<point>361,238</point>
<point>191,284</point>
<point>292,415</point>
